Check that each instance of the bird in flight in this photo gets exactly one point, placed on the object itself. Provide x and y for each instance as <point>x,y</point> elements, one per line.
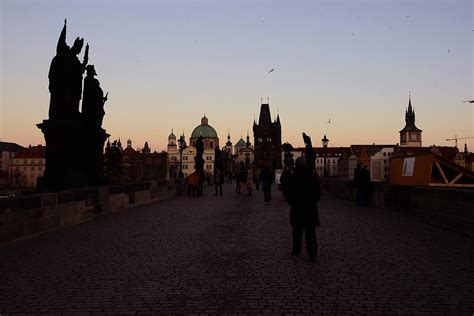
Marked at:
<point>328,121</point>
<point>469,101</point>
<point>271,70</point>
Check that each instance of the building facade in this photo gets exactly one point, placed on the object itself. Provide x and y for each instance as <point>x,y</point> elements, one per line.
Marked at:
<point>267,139</point>
<point>26,166</point>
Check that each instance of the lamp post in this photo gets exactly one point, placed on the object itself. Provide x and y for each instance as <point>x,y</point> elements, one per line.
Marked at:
<point>182,146</point>
<point>325,142</point>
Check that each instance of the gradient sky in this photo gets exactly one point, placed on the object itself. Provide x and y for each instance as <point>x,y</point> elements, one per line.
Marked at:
<point>166,63</point>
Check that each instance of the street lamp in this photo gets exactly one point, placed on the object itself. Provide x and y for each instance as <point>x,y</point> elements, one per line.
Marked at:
<point>182,146</point>
<point>325,142</point>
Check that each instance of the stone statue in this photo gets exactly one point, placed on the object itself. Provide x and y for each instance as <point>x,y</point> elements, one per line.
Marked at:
<point>93,99</point>
<point>65,78</point>
<point>309,153</point>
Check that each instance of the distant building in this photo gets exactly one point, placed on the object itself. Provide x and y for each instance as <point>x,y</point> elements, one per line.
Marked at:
<point>410,135</point>
<point>211,142</point>
<point>139,166</point>
<point>245,152</point>
<point>7,153</point>
<point>27,166</point>
<point>267,139</point>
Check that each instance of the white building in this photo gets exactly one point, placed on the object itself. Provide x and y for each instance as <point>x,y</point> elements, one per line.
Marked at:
<point>380,164</point>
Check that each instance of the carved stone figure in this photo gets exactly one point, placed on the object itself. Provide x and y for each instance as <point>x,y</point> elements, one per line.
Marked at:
<point>93,100</point>
<point>65,78</point>
<point>309,153</point>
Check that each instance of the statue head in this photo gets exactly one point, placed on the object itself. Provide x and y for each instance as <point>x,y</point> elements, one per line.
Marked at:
<point>77,46</point>
<point>91,70</point>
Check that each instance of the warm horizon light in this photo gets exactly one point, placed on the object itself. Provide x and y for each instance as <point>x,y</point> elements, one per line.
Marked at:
<point>165,64</point>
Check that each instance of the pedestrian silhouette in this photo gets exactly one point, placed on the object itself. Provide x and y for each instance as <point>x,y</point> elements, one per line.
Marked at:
<point>303,194</point>
<point>267,176</point>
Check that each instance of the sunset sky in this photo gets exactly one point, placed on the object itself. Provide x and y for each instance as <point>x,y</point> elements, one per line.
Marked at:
<point>167,63</point>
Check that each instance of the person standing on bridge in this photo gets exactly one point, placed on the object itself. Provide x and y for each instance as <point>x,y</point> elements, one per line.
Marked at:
<point>303,194</point>
<point>267,176</point>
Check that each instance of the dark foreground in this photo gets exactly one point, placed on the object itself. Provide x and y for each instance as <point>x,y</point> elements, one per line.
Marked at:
<point>232,254</point>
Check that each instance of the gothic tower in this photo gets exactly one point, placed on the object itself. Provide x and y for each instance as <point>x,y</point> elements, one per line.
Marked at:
<point>410,135</point>
<point>267,139</point>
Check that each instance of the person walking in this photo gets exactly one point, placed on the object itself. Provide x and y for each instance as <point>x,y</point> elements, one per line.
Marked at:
<point>267,176</point>
<point>218,181</point>
<point>303,194</point>
<point>366,185</point>
<point>358,184</point>
<point>249,181</point>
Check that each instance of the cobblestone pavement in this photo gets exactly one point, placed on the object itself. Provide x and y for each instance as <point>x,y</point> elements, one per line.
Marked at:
<point>231,254</point>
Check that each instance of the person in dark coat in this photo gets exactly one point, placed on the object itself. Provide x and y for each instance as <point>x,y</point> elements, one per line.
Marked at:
<point>358,184</point>
<point>218,181</point>
<point>267,177</point>
<point>365,185</point>
<point>303,194</point>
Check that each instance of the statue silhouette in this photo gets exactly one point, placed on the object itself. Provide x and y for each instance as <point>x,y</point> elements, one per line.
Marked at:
<point>93,100</point>
<point>65,78</point>
<point>309,152</point>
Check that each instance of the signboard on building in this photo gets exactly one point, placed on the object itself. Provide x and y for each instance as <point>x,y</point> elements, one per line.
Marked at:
<point>408,166</point>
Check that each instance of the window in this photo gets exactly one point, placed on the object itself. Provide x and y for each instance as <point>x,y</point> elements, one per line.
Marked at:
<point>384,154</point>
<point>25,162</point>
<point>259,140</point>
<point>185,158</point>
<point>269,139</point>
<point>32,168</point>
<point>211,144</point>
<point>40,168</point>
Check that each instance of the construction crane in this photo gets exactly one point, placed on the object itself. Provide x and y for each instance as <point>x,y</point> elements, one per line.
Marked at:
<point>456,139</point>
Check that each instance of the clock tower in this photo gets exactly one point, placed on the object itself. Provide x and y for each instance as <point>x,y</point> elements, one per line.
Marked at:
<point>410,135</point>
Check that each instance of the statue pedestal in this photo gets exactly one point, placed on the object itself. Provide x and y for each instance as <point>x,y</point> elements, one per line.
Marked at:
<point>74,155</point>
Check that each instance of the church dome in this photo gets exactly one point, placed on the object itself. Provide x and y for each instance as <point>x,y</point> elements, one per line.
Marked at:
<point>172,135</point>
<point>205,130</point>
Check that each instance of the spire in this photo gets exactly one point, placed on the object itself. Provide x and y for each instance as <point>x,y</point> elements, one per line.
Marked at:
<point>62,40</point>
<point>265,118</point>
<point>228,135</point>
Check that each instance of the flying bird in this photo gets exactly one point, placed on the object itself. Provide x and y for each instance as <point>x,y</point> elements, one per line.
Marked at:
<point>468,101</point>
<point>271,70</point>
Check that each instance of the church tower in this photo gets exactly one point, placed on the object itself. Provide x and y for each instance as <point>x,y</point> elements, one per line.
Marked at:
<point>228,145</point>
<point>172,142</point>
<point>267,139</point>
<point>410,135</point>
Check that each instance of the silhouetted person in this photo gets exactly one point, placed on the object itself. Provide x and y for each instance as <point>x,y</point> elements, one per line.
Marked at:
<point>267,176</point>
<point>93,100</point>
<point>218,181</point>
<point>249,182</point>
<point>359,185</point>
<point>303,194</point>
<point>257,178</point>
<point>366,185</point>
<point>192,182</point>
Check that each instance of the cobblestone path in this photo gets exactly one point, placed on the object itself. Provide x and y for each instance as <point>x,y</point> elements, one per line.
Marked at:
<point>231,254</point>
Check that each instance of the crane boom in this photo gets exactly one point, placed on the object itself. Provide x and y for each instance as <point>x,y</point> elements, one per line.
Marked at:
<point>456,138</point>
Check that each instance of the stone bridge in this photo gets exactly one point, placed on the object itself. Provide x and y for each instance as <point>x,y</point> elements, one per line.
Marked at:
<point>231,254</point>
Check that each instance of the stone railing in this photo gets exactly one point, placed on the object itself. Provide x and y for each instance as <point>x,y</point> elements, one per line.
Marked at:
<point>451,208</point>
<point>28,215</point>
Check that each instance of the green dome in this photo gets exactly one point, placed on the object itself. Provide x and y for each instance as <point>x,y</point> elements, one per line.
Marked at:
<point>205,130</point>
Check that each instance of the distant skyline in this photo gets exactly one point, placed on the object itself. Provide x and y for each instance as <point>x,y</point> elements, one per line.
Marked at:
<point>167,63</point>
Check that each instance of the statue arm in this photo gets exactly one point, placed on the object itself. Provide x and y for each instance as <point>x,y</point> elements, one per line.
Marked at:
<point>86,57</point>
